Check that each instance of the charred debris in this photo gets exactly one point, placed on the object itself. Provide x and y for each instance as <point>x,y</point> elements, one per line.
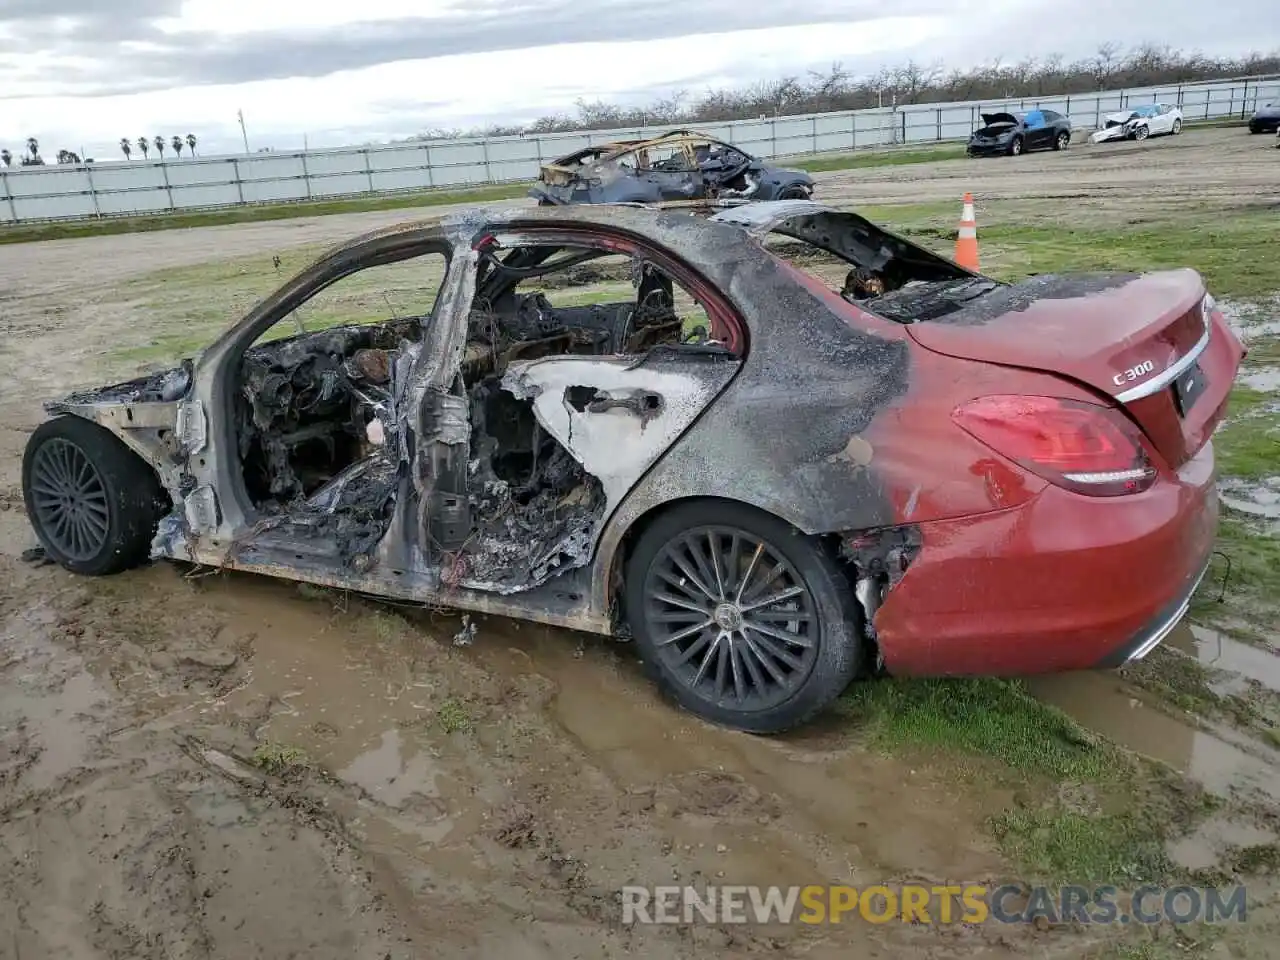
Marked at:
<point>326,454</point>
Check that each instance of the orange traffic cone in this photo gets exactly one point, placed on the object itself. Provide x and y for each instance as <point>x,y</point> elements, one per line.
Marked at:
<point>967,237</point>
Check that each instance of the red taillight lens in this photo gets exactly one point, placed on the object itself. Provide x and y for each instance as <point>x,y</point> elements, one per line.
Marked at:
<point>1081,446</point>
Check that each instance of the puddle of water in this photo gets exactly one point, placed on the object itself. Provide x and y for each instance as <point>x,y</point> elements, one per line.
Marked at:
<point>1102,702</point>
<point>1266,379</point>
<point>1213,649</point>
<point>1252,319</point>
<point>875,813</point>
<point>388,776</point>
<point>1259,498</point>
<point>1203,848</point>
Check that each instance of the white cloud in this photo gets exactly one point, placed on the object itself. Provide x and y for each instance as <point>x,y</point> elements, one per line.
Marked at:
<point>397,99</point>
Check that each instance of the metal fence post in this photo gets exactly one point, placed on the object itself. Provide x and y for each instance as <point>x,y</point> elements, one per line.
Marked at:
<point>168,190</point>
<point>814,123</point>
<point>306,175</point>
<point>93,194</point>
<point>8,195</point>
<point>938,110</point>
<point>431,174</point>
<point>236,179</point>
<point>1244,100</point>
<point>488,170</point>
<point>368,169</point>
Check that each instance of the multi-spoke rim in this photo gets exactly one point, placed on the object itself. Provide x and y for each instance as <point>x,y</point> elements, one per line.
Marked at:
<point>70,499</point>
<point>731,617</point>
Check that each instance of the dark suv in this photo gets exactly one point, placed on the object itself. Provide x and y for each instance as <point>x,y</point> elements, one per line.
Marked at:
<point>1014,133</point>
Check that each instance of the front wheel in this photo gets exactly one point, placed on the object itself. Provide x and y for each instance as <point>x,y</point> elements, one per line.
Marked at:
<point>1177,127</point>
<point>1141,133</point>
<point>93,503</point>
<point>794,192</point>
<point>1015,148</point>
<point>1062,141</point>
<point>739,618</point>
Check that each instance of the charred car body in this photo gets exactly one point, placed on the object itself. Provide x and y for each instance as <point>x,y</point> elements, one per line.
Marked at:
<point>1015,133</point>
<point>909,467</point>
<point>680,165</point>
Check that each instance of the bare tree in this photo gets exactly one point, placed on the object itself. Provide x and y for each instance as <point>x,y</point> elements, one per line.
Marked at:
<point>126,147</point>
<point>1104,62</point>
<point>145,146</point>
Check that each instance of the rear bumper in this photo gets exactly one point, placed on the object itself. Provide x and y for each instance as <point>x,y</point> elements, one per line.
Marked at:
<point>1062,582</point>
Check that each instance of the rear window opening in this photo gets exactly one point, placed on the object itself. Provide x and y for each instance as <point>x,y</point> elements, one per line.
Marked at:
<point>873,269</point>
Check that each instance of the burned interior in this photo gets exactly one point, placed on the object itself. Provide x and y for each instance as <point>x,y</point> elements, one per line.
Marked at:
<point>323,442</point>
<point>874,269</point>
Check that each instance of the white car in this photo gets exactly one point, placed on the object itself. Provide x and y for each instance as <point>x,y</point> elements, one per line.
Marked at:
<point>1147,120</point>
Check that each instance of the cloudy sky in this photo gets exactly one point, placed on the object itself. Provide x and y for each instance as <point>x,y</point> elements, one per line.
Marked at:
<point>83,73</point>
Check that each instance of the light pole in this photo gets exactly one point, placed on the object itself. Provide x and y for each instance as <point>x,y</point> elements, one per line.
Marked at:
<point>243,132</point>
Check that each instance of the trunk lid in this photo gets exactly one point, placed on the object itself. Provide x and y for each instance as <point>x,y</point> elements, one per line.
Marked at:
<point>1146,341</point>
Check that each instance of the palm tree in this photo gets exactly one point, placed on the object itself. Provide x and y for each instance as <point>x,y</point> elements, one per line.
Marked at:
<point>33,148</point>
<point>160,146</point>
<point>191,142</point>
<point>126,147</point>
<point>178,144</point>
<point>145,146</point>
<point>6,158</point>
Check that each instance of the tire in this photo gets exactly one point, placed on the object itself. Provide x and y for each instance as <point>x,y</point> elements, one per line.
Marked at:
<point>794,192</point>
<point>1141,133</point>
<point>769,691</point>
<point>118,498</point>
<point>1177,127</point>
<point>1015,147</point>
<point>1062,141</point>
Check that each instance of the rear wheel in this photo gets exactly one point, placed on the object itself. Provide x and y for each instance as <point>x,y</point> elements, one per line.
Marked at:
<point>94,504</point>
<point>1062,141</point>
<point>739,618</point>
<point>1015,148</point>
<point>794,192</point>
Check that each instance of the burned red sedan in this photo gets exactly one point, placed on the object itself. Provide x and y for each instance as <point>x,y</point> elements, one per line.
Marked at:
<point>777,446</point>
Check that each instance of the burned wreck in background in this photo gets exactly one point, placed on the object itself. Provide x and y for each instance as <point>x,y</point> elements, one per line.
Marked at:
<point>679,165</point>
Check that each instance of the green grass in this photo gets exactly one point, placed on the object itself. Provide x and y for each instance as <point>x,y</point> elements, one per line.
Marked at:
<point>257,213</point>
<point>876,157</point>
<point>1248,445</point>
<point>1038,748</point>
<point>453,716</point>
<point>1234,252</point>
<point>1069,847</point>
<point>986,717</point>
<point>277,759</point>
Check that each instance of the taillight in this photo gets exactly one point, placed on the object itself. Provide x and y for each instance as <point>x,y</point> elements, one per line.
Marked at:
<point>1084,447</point>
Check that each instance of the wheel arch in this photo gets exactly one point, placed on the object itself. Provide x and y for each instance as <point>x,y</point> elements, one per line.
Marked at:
<point>612,560</point>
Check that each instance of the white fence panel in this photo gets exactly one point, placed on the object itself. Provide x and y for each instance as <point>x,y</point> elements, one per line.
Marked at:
<point>154,185</point>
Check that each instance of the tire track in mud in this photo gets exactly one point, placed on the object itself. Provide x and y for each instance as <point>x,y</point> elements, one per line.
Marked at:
<point>511,836</point>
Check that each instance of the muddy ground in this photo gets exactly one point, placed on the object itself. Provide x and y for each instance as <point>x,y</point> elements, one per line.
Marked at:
<point>221,766</point>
